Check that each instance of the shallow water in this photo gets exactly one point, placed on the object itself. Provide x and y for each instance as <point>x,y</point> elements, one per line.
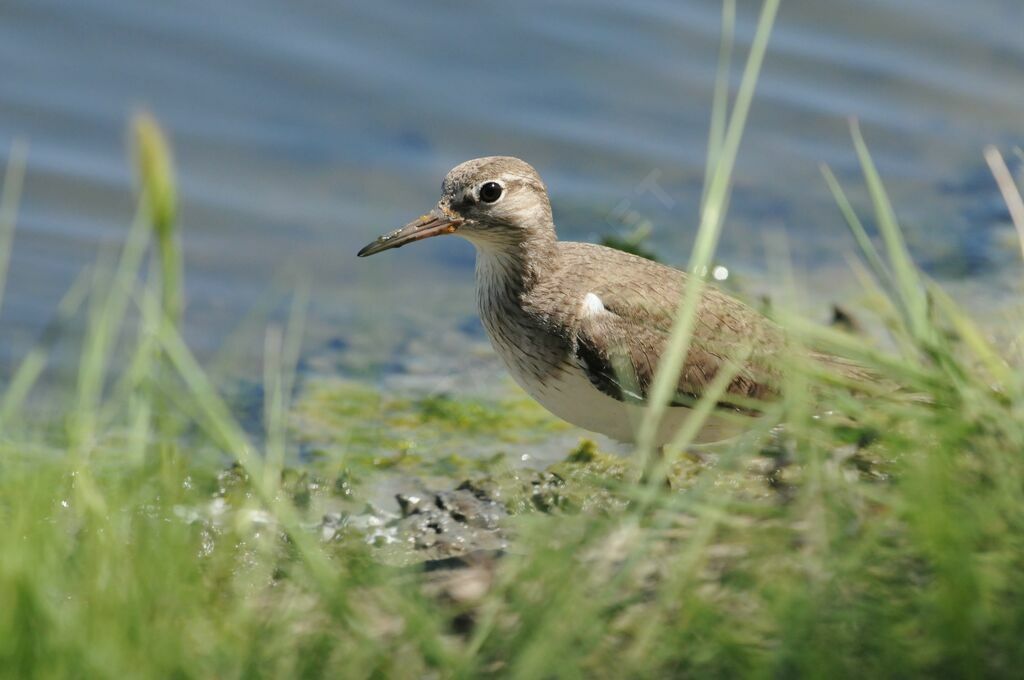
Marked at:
<point>302,130</point>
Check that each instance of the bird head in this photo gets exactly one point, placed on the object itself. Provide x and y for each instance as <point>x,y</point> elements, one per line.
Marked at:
<point>498,203</point>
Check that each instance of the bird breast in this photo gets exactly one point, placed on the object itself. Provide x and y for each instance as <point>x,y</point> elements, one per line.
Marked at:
<point>531,351</point>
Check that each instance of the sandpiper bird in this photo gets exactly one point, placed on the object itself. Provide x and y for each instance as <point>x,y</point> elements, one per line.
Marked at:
<point>580,326</point>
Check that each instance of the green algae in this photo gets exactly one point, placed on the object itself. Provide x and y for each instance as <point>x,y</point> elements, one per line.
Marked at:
<point>345,421</point>
<point>512,419</point>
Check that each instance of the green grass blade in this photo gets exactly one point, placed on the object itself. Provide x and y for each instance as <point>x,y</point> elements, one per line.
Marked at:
<point>720,97</point>
<point>280,363</point>
<point>104,328</point>
<point>712,216</point>
<point>219,423</point>
<point>9,200</point>
<point>996,366</point>
<point>909,288</point>
<point>857,228</point>
<point>31,367</point>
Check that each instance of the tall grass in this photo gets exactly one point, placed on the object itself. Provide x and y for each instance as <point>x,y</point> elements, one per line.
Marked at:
<point>881,535</point>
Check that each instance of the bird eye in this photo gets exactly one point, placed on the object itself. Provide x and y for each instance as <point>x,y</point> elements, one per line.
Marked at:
<point>490,192</point>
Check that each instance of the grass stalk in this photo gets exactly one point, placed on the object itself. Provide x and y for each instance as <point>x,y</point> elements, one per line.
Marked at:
<point>31,367</point>
<point>720,96</point>
<point>1010,191</point>
<point>222,427</point>
<point>158,190</point>
<point>908,286</point>
<point>712,216</point>
<point>9,199</point>
<point>860,234</point>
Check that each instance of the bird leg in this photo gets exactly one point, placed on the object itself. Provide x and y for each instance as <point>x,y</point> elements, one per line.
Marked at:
<point>656,467</point>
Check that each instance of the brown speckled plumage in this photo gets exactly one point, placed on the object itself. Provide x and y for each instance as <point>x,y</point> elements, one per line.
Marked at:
<point>641,302</point>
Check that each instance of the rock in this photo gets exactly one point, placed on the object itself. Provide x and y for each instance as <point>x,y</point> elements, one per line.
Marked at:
<point>450,523</point>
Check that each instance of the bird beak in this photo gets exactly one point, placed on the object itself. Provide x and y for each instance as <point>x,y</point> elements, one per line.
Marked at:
<point>433,223</point>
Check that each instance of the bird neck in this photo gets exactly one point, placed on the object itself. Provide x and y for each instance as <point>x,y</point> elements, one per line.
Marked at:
<point>511,269</point>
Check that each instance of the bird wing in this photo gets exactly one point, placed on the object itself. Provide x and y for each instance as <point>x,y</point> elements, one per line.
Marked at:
<point>619,342</point>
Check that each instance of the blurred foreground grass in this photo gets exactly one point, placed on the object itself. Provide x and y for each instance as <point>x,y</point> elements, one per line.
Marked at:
<point>878,535</point>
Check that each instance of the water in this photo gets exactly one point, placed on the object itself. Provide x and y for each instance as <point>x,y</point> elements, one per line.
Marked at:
<point>304,129</point>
